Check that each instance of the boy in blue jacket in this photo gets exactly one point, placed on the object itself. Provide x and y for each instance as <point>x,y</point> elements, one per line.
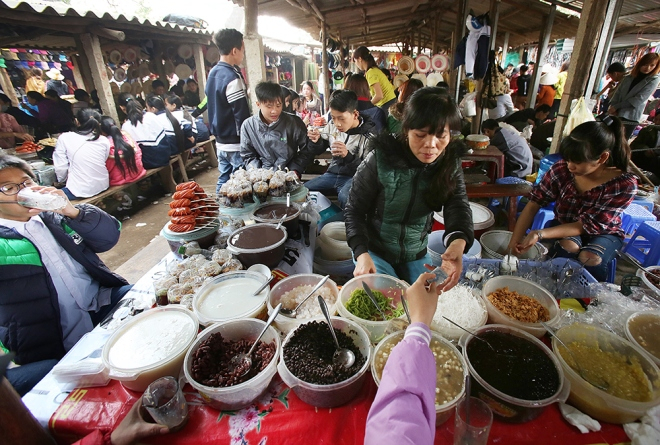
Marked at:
<point>227,102</point>
<point>53,286</point>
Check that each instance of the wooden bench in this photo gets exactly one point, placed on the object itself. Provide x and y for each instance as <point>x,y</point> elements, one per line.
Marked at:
<point>166,172</point>
<point>498,191</point>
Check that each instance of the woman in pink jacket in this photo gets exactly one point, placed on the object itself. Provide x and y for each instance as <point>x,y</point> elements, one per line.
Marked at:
<point>125,160</point>
<point>404,409</point>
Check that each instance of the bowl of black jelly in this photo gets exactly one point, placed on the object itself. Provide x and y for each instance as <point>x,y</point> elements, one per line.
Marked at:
<point>513,372</point>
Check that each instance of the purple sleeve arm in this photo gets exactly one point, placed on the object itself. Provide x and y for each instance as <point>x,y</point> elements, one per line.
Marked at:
<point>403,411</point>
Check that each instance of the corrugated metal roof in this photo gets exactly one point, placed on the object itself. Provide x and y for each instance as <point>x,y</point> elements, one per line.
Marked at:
<point>63,10</point>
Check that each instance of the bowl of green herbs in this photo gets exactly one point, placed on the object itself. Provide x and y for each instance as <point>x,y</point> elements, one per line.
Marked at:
<point>355,304</point>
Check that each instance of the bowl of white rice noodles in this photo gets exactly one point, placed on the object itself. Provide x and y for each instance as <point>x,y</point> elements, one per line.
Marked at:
<point>461,306</point>
<point>292,290</point>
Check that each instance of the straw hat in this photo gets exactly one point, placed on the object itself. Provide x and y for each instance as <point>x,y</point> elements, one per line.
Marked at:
<point>54,74</point>
<point>550,78</point>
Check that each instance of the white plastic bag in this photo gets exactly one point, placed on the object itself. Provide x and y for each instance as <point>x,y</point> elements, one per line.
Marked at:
<point>527,132</point>
<point>579,115</point>
<point>469,105</point>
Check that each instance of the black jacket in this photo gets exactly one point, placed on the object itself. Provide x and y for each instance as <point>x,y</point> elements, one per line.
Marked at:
<point>356,140</point>
<point>388,210</point>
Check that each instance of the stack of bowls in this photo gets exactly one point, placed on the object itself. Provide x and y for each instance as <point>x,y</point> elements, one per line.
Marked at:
<point>436,248</point>
<point>333,256</point>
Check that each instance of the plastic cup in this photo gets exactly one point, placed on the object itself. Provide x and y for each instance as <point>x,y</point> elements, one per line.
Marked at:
<point>165,403</point>
<point>475,430</point>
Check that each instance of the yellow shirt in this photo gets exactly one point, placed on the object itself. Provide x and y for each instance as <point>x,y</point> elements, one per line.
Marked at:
<point>375,75</point>
<point>35,84</point>
<point>560,84</point>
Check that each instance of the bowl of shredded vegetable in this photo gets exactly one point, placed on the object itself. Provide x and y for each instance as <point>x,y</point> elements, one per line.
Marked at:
<point>354,303</point>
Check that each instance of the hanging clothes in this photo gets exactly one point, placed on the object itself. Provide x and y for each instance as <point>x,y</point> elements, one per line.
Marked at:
<point>472,50</point>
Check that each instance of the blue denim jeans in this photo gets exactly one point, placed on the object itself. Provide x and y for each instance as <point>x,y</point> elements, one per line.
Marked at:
<point>604,246</point>
<point>69,195</point>
<point>332,183</point>
<point>408,272</point>
<point>116,294</point>
<point>25,377</point>
<point>228,163</point>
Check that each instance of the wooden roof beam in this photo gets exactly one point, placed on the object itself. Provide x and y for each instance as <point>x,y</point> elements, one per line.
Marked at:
<point>640,13</point>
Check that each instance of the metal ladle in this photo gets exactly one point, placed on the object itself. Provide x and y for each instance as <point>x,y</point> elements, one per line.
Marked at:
<point>371,296</point>
<point>244,361</point>
<point>342,356</point>
<point>471,333</point>
<point>604,386</point>
<point>292,313</point>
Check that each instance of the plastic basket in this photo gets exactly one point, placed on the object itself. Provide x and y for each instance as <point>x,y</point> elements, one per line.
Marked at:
<point>557,264</point>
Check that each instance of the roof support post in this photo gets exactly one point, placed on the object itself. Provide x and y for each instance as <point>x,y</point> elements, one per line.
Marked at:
<point>598,68</point>
<point>254,50</point>
<point>459,33</point>
<point>495,18</point>
<point>323,75</point>
<point>83,65</point>
<point>592,21</point>
<point>201,70</point>
<point>505,48</point>
<point>92,48</point>
<point>544,40</point>
<point>77,74</point>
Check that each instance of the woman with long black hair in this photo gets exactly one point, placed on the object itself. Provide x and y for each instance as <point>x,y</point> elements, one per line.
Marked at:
<point>148,131</point>
<point>187,123</point>
<point>173,131</point>
<point>398,186</point>
<point>591,187</point>
<point>124,162</point>
<point>80,155</point>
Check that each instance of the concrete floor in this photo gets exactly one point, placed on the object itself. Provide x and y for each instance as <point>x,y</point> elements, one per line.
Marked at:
<point>140,246</point>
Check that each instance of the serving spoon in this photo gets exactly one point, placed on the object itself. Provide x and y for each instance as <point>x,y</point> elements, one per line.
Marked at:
<point>342,356</point>
<point>244,361</point>
<point>292,313</point>
<point>602,386</point>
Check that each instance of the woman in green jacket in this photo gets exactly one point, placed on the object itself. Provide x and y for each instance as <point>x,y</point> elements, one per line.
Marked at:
<point>401,182</point>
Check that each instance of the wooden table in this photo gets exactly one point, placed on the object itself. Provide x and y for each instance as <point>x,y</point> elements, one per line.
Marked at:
<point>498,191</point>
<point>490,154</point>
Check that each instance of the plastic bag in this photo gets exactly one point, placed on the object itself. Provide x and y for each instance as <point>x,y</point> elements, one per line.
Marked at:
<point>527,132</point>
<point>579,115</point>
<point>469,105</point>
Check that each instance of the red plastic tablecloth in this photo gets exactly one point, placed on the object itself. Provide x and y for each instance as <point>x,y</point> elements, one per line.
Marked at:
<point>280,418</point>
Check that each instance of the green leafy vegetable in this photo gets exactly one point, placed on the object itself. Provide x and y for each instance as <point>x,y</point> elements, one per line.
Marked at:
<point>360,305</point>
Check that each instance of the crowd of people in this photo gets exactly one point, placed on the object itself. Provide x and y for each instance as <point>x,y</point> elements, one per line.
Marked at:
<point>395,160</point>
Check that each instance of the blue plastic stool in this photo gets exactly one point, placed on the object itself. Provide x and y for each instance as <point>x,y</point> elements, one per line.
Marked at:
<point>647,249</point>
<point>611,271</point>
<point>648,205</point>
<point>633,216</point>
<point>544,215</point>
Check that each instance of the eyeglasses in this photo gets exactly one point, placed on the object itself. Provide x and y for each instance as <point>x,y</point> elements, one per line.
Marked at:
<point>13,189</point>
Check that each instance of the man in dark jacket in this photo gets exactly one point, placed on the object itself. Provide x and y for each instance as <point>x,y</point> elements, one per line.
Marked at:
<point>523,87</point>
<point>227,102</point>
<point>528,116</point>
<point>53,286</point>
<point>346,135</point>
<point>273,138</point>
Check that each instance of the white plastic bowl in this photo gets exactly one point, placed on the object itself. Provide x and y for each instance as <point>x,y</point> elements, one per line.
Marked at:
<point>157,344</point>
<point>524,287</point>
<point>631,337</point>
<point>287,324</point>
<point>329,396</point>
<point>389,286</point>
<point>251,306</point>
<point>494,242</point>
<point>444,411</point>
<point>244,394</point>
